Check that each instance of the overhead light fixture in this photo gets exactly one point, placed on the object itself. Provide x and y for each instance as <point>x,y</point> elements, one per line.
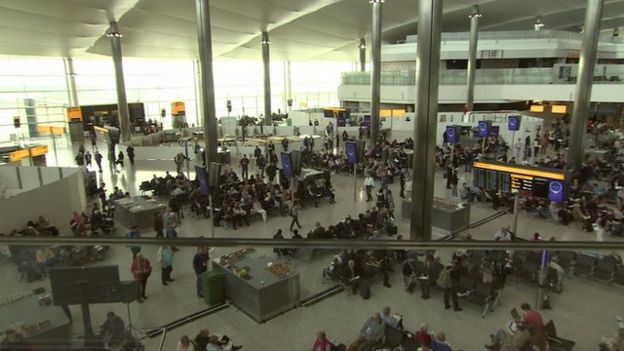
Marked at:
<point>265,39</point>
<point>114,35</point>
<point>538,25</point>
<point>475,12</point>
<point>376,1</point>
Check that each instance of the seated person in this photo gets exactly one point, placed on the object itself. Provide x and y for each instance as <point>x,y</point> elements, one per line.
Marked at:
<point>321,343</point>
<point>440,343</point>
<point>393,320</point>
<point>422,335</point>
<point>502,341</point>
<point>185,344</point>
<point>202,340</point>
<point>615,343</point>
<point>113,329</point>
<point>371,334</point>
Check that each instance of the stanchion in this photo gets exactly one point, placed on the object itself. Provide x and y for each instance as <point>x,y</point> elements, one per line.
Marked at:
<point>212,226</point>
<point>514,222</point>
<point>355,182</point>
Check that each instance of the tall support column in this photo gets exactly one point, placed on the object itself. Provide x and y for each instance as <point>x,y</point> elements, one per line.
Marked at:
<point>70,81</point>
<point>204,39</point>
<point>197,91</point>
<point>375,69</point>
<point>266,60</point>
<point>362,55</point>
<point>287,86</point>
<point>425,121</point>
<point>582,98</point>
<point>472,57</point>
<point>122,101</point>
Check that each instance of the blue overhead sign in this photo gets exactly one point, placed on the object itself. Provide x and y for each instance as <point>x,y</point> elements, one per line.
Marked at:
<point>484,129</point>
<point>452,135</point>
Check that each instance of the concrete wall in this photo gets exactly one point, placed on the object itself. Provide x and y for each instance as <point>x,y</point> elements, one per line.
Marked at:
<point>56,200</point>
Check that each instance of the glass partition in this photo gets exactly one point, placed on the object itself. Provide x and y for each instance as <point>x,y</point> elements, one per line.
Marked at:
<point>280,295</point>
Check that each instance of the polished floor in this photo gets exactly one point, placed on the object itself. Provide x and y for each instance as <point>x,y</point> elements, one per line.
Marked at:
<point>584,312</point>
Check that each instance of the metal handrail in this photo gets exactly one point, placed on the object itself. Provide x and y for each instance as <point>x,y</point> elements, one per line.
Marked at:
<point>321,244</point>
<point>162,339</point>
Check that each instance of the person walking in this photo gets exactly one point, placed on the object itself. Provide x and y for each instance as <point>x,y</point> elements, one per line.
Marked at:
<point>141,270</point>
<point>402,180</point>
<point>159,224</point>
<point>369,182</point>
<point>294,213</point>
<point>447,282</point>
<point>171,223</point>
<point>244,162</point>
<point>200,265</point>
<point>98,159</point>
<point>120,159</point>
<point>88,157</point>
<point>134,234</point>
<point>165,257</point>
<point>454,183</point>
<point>130,153</point>
<point>261,164</point>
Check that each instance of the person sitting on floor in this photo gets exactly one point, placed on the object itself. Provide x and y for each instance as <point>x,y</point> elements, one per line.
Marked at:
<point>113,329</point>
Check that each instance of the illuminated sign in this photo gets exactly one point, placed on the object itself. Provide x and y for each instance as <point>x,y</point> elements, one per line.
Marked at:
<point>537,108</point>
<point>484,129</point>
<point>452,134</point>
<point>513,122</point>
<point>559,109</point>
<point>542,183</point>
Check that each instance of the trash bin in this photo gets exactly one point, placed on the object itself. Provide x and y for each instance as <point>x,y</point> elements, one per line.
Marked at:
<point>214,287</point>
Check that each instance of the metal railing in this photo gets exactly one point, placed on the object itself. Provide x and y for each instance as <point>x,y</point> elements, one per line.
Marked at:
<point>320,244</point>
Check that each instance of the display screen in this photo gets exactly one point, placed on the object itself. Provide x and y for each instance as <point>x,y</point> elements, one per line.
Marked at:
<point>352,152</point>
<point>287,164</point>
<point>452,135</point>
<point>484,129</point>
<point>513,122</point>
<point>542,183</point>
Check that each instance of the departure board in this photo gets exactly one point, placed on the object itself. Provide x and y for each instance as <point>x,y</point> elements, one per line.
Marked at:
<point>509,178</point>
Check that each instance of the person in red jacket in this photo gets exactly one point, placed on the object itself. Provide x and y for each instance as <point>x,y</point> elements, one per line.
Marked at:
<point>141,270</point>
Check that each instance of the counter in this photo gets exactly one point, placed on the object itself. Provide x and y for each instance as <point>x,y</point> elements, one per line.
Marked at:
<point>261,295</point>
<point>137,211</point>
<point>446,216</point>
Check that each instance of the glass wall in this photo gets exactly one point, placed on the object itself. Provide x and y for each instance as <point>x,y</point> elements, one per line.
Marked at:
<point>157,83</point>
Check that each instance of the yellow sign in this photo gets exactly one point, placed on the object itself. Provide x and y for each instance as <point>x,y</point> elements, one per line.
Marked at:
<point>73,114</point>
<point>537,108</point>
<point>49,130</point>
<point>25,153</point>
<point>559,109</point>
<point>177,108</point>
<point>518,172</point>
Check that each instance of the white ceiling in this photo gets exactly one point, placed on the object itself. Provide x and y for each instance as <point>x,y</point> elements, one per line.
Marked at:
<point>298,29</point>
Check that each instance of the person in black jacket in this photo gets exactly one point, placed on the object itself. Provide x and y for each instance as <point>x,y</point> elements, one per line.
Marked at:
<point>200,265</point>
<point>130,153</point>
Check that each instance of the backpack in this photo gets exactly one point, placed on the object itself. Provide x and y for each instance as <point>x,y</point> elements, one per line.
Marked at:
<point>444,279</point>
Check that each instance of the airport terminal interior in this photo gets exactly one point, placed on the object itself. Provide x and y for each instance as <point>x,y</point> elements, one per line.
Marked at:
<point>312,175</point>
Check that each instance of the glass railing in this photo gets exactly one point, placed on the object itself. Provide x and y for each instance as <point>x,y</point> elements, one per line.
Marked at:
<point>487,76</point>
<point>261,294</point>
<point>507,35</point>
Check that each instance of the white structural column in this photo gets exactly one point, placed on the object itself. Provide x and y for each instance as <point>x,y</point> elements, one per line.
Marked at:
<point>70,81</point>
<point>122,101</point>
<point>207,96</point>
<point>472,57</point>
<point>582,98</point>
<point>266,61</point>
<point>425,121</point>
<point>375,70</point>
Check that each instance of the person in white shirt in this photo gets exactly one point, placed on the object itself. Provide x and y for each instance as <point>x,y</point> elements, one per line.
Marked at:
<point>503,234</point>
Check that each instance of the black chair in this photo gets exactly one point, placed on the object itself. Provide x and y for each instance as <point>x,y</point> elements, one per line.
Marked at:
<point>618,278</point>
<point>567,261</point>
<point>585,264</point>
<point>393,337</point>
<point>605,269</point>
<point>410,344</point>
<point>557,343</point>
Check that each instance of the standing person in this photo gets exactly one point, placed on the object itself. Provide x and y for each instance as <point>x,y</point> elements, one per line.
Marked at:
<point>285,144</point>
<point>88,159</point>
<point>159,224</point>
<point>244,162</point>
<point>134,234</point>
<point>454,182</point>
<point>257,152</point>
<point>178,160</point>
<point>81,149</point>
<point>165,257</point>
<point>294,213</point>
<point>171,223</point>
<point>261,164</point>
<point>271,171</point>
<point>120,159</point>
<point>369,182</point>
<point>130,153</point>
<point>141,270</point>
<point>446,282</point>
<point>98,159</point>
<point>79,159</point>
<point>200,265</point>
<point>93,138</point>
<point>536,147</point>
<point>402,176</point>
